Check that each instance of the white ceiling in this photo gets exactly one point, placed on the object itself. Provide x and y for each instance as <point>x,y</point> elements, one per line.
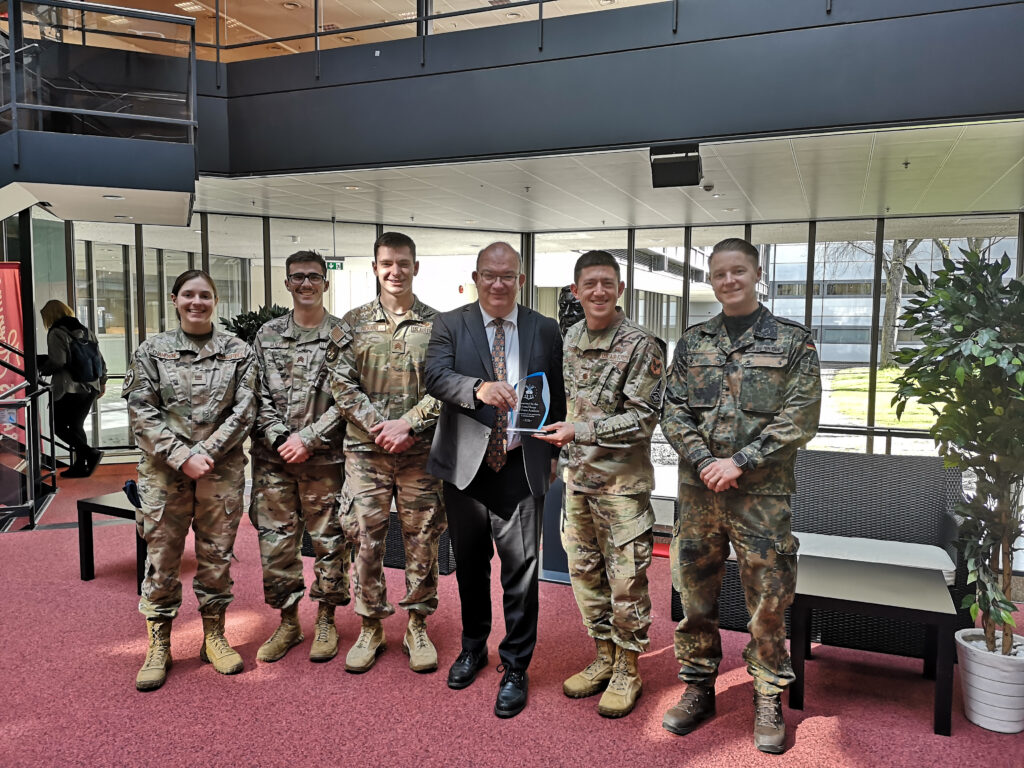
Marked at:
<point>948,169</point>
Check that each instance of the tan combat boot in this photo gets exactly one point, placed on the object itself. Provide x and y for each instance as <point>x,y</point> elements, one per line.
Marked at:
<point>696,705</point>
<point>769,727</point>
<point>287,635</point>
<point>158,656</point>
<point>325,635</point>
<point>215,649</point>
<point>417,646</point>
<point>369,645</point>
<point>595,677</point>
<point>624,688</point>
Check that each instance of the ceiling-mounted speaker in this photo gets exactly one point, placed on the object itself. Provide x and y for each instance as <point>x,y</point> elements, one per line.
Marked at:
<point>676,165</point>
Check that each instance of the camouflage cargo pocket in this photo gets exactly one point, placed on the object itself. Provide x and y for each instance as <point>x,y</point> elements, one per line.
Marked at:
<point>347,516</point>
<point>704,379</point>
<point>630,520</point>
<point>787,545</point>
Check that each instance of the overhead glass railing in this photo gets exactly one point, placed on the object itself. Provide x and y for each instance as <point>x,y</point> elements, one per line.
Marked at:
<point>237,30</point>
<point>72,67</point>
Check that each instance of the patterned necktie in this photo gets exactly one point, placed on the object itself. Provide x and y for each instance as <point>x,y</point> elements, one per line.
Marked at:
<point>496,455</point>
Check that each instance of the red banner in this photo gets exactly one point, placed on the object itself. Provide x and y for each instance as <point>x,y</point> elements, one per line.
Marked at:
<point>11,333</point>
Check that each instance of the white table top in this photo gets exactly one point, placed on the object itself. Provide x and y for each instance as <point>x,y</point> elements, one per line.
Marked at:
<point>876,583</point>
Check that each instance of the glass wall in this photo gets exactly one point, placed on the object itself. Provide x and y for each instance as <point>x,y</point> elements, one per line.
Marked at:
<point>555,255</point>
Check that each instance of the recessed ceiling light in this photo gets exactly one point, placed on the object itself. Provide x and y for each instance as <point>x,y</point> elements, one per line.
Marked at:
<point>113,197</point>
<point>406,15</point>
<point>122,216</point>
<point>730,210</point>
<point>198,231</point>
<point>606,2</point>
<point>348,39</point>
<point>351,187</point>
<point>188,6</point>
<point>471,221</point>
<point>717,194</point>
<point>115,19</point>
<point>513,15</point>
<point>291,5</point>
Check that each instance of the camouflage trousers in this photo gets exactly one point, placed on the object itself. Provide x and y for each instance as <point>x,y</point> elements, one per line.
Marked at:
<point>758,527</point>
<point>171,503</point>
<point>608,541</point>
<point>371,481</point>
<point>286,500</point>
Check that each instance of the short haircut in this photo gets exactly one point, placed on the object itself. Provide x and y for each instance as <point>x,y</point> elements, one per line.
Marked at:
<point>596,259</point>
<point>54,310</point>
<point>739,245</point>
<point>305,257</point>
<point>187,275</point>
<point>394,240</point>
<point>499,246</point>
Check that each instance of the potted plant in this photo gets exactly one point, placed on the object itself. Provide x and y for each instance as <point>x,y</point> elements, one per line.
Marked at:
<point>245,325</point>
<point>969,370</point>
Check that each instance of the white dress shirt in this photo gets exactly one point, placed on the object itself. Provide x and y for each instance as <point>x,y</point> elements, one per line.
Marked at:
<point>512,374</point>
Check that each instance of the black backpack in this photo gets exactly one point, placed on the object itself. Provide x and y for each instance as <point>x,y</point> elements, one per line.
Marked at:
<point>85,364</point>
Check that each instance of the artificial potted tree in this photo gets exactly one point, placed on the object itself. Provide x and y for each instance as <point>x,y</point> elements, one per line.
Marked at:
<point>969,370</point>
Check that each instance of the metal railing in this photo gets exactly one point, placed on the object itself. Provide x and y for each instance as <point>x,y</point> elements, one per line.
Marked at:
<point>39,468</point>
<point>22,76</point>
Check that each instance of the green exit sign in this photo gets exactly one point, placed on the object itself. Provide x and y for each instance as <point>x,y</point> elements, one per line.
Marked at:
<point>337,265</point>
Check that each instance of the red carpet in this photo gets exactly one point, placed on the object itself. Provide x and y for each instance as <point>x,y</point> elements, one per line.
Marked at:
<point>69,651</point>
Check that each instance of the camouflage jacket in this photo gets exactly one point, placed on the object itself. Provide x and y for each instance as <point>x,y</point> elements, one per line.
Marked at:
<point>614,385</point>
<point>295,395</point>
<point>377,373</point>
<point>760,396</point>
<point>183,399</point>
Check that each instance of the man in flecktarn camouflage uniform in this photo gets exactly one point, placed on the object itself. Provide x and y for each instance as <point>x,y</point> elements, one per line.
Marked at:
<point>377,379</point>
<point>614,382</point>
<point>743,394</point>
<point>298,464</point>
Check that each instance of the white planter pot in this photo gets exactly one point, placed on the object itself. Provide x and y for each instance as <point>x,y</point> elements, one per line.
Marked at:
<point>993,684</point>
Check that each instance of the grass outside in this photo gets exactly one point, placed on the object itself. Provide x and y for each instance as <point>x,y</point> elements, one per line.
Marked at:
<point>849,396</point>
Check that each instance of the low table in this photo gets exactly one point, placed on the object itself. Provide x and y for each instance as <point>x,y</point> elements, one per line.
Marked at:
<point>113,505</point>
<point>878,589</point>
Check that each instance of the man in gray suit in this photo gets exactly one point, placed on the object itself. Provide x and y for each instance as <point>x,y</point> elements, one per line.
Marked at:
<point>494,480</point>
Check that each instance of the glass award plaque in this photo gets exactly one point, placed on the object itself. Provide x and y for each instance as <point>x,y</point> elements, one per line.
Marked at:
<point>534,399</point>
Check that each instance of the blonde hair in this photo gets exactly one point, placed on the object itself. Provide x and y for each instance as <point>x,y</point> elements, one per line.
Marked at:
<point>54,310</point>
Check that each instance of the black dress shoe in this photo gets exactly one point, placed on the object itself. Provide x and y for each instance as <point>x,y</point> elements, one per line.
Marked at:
<point>511,693</point>
<point>464,670</point>
<point>74,471</point>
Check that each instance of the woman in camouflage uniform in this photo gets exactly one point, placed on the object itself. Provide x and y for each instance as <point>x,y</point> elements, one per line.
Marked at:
<point>191,403</point>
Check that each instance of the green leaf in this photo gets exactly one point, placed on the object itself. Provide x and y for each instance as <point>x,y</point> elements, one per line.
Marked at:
<point>974,612</point>
<point>990,360</point>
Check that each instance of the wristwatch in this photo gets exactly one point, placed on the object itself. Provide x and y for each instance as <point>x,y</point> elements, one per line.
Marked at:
<point>476,387</point>
<point>740,460</point>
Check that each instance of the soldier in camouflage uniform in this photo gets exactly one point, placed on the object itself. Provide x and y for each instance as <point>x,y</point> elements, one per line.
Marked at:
<point>743,394</point>
<point>298,464</point>
<point>377,379</point>
<point>614,382</point>
<point>191,396</point>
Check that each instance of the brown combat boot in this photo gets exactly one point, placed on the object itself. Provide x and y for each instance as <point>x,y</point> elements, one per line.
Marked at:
<point>769,727</point>
<point>215,649</point>
<point>595,677</point>
<point>370,644</point>
<point>417,646</point>
<point>325,635</point>
<point>696,705</point>
<point>624,688</point>
<point>158,655</point>
<point>287,635</point>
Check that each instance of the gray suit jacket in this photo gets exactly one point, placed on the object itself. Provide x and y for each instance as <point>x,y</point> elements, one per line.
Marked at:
<point>457,357</point>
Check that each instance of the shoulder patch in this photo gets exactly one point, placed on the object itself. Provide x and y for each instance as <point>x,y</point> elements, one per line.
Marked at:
<point>332,353</point>
<point>657,392</point>
<point>656,366</point>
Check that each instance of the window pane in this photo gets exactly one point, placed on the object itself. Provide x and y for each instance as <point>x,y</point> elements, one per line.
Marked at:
<point>169,252</point>
<point>236,242</point>
<point>844,257</point>
<point>555,258</point>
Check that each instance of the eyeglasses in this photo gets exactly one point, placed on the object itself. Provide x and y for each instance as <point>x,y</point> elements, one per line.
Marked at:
<point>298,278</point>
<point>490,277</point>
